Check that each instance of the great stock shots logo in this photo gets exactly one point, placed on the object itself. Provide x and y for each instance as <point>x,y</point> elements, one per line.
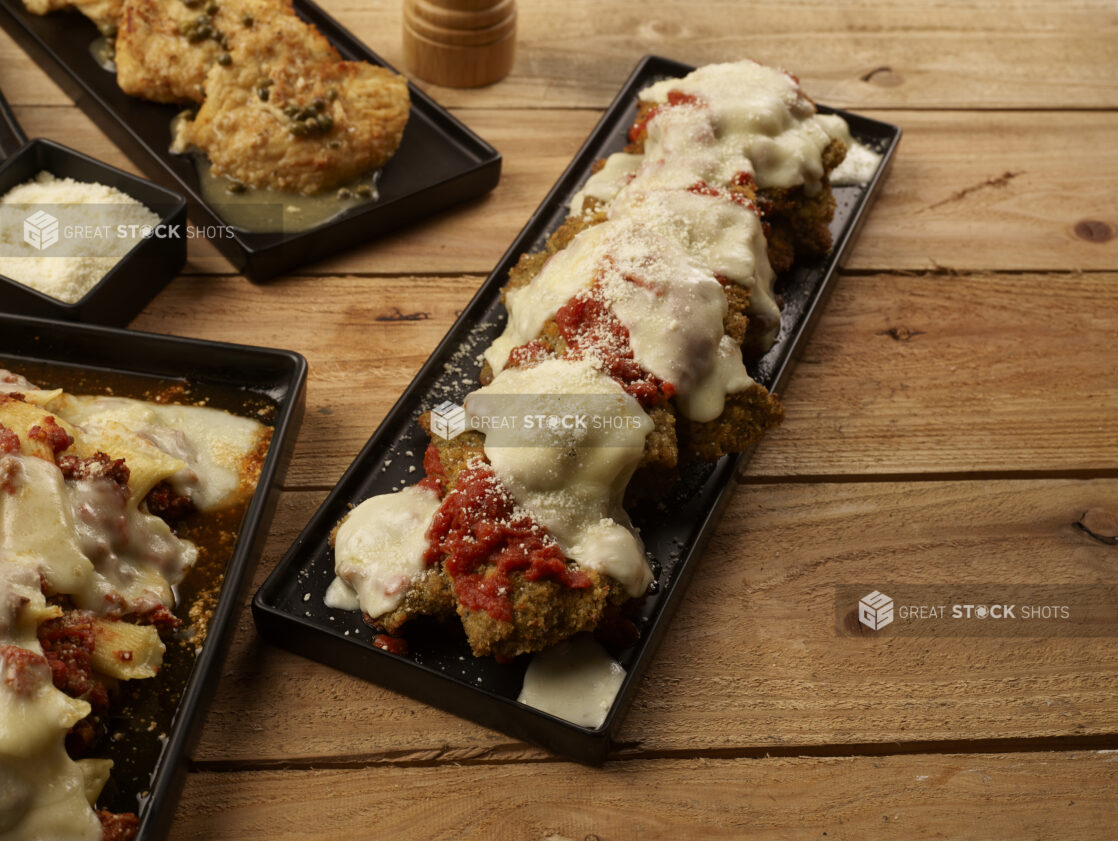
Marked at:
<point>875,611</point>
<point>40,230</point>
<point>448,420</point>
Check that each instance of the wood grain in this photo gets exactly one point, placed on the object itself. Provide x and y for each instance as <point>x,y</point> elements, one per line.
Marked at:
<point>905,374</point>
<point>977,797</point>
<point>753,659</point>
<point>869,54</point>
<point>952,169</point>
<point>971,341</point>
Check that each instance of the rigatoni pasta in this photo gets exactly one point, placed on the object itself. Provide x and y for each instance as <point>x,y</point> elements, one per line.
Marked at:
<point>92,490</point>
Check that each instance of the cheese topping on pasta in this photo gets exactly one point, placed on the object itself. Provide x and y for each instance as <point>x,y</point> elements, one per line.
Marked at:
<point>87,571</point>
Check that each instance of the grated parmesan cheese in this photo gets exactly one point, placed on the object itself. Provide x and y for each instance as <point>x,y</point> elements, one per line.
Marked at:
<point>90,241</point>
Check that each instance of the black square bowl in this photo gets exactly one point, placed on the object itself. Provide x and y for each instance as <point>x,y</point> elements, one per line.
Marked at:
<point>141,273</point>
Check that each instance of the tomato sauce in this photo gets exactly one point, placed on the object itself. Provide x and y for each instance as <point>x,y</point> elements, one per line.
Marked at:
<point>484,538</point>
<point>587,325</point>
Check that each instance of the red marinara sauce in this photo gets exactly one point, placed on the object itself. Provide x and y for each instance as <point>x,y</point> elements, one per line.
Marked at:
<point>639,129</point>
<point>484,538</point>
<point>588,325</point>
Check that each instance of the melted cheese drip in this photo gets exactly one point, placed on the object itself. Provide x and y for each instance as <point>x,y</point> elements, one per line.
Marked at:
<point>86,542</point>
<point>575,681</point>
<point>42,791</point>
<point>606,183</point>
<point>380,546</point>
<point>754,112</point>
<point>860,163</point>
<point>572,481</point>
<point>717,232</point>
<point>214,444</point>
<point>562,277</point>
<point>671,304</point>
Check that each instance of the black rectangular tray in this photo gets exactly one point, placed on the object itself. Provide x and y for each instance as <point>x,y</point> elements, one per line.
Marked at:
<point>440,162</point>
<point>230,371</point>
<point>440,669</point>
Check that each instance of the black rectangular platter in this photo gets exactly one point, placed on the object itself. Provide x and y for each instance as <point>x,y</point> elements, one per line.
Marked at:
<point>439,669</point>
<point>234,377</point>
<point>440,162</point>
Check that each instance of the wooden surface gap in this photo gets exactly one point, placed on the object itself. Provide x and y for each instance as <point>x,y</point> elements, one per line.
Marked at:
<point>514,754</point>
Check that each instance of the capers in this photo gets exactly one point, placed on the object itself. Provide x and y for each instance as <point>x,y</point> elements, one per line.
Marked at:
<point>266,82</point>
<point>311,123</point>
<point>235,187</point>
<point>263,93</point>
<point>318,104</point>
<point>197,35</point>
<point>335,144</point>
<point>344,194</point>
<point>291,110</point>
<point>331,94</point>
<point>364,191</point>
<point>247,21</point>
<point>299,129</point>
<point>225,59</point>
<point>211,8</point>
<point>325,123</point>
<point>192,4</point>
<point>111,30</point>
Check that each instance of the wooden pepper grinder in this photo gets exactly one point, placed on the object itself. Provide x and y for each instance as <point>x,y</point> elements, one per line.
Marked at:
<point>460,43</point>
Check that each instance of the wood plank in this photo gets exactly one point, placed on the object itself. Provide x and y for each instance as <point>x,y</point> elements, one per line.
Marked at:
<point>905,374</point>
<point>984,796</point>
<point>868,54</point>
<point>752,660</point>
<point>992,193</point>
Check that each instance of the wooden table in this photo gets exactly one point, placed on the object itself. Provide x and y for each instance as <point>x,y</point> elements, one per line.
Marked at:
<point>953,419</point>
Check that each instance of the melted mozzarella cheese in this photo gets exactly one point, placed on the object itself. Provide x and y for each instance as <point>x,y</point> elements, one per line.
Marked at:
<point>43,791</point>
<point>716,231</point>
<point>380,546</point>
<point>604,185</point>
<point>671,304</point>
<point>571,478</point>
<point>83,539</point>
<point>562,277</point>
<point>575,680</point>
<point>753,111</point>
<point>214,444</point>
<point>860,163</point>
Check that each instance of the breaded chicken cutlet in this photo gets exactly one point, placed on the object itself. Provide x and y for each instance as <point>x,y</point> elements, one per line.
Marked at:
<point>104,13</point>
<point>164,48</point>
<point>285,111</point>
<point>280,109</point>
<point>541,612</point>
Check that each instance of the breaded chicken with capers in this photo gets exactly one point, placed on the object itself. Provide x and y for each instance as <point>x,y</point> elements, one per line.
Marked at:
<point>104,13</point>
<point>285,111</point>
<point>164,48</point>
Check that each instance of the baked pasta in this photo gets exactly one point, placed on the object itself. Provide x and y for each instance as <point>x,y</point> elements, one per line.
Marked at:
<point>634,318</point>
<point>92,491</point>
